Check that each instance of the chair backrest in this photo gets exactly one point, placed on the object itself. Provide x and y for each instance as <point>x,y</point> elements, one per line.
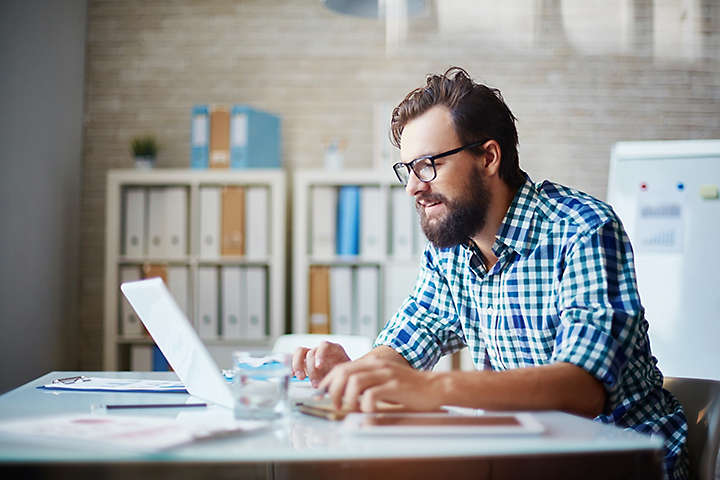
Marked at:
<point>355,345</point>
<point>701,401</point>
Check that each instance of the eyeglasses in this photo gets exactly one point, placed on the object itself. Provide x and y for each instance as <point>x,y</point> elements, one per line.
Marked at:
<point>424,167</point>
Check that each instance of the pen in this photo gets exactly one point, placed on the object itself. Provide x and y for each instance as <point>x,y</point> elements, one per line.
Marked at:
<point>155,405</point>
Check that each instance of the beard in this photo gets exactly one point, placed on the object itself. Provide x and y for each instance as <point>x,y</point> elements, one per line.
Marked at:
<point>465,216</point>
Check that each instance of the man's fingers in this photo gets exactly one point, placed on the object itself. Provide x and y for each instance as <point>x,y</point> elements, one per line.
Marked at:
<point>298,362</point>
<point>359,382</point>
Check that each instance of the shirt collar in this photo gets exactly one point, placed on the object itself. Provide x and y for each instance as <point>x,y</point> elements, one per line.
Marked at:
<point>516,229</point>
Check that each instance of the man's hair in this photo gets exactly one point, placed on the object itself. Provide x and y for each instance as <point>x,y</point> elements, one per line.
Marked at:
<point>479,114</point>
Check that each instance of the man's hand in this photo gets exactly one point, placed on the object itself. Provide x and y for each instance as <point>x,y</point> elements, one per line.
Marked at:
<point>367,381</point>
<point>317,362</point>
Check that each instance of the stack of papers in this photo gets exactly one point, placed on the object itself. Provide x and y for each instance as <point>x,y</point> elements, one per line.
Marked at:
<point>97,384</point>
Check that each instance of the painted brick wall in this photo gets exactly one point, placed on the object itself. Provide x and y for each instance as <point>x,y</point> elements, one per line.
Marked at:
<point>575,88</point>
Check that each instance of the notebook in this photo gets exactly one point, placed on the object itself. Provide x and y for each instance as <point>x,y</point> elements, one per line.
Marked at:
<point>177,340</point>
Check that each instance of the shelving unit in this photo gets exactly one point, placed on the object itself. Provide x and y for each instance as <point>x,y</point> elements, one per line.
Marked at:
<point>396,270</point>
<point>117,345</point>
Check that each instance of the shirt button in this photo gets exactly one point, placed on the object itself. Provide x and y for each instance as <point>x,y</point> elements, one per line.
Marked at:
<point>490,311</point>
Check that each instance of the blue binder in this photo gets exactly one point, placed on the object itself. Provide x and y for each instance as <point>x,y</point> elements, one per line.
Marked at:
<point>348,221</point>
<point>200,137</point>
<point>254,138</point>
<point>159,362</point>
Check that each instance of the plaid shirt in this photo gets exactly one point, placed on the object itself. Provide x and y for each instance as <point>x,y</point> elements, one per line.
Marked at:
<point>563,290</point>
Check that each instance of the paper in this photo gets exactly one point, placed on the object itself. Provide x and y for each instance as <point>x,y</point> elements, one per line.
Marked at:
<point>97,384</point>
<point>660,224</point>
<point>127,432</point>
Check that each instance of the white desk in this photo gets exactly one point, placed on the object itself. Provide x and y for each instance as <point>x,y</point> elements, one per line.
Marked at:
<point>316,448</point>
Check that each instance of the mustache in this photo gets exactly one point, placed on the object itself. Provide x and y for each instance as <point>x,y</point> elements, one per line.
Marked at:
<point>429,198</point>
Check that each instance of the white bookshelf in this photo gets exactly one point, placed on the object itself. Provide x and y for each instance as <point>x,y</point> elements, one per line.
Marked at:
<point>116,344</point>
<point>386,262</point>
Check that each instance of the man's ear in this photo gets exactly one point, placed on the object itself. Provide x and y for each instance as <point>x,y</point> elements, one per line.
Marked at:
<point>491,159</point>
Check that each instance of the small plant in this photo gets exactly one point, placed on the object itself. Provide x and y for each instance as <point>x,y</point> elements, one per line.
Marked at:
<point>144,146</point>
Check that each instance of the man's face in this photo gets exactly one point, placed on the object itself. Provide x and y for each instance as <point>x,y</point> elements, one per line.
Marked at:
<point>454,206</point>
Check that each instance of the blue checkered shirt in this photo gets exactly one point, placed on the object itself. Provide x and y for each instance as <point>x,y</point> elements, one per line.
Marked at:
<point>563,290</point>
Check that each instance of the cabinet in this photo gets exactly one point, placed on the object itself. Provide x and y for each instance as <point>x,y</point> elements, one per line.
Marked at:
<point>217,238</point>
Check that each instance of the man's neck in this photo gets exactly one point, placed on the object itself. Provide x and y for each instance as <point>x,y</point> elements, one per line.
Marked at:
<point>501,196</point>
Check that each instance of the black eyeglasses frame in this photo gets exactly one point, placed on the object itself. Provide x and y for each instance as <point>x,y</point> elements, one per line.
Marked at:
<point>410,166</point>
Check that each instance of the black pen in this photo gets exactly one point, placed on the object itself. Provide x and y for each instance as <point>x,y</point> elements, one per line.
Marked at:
<point>155,405</point>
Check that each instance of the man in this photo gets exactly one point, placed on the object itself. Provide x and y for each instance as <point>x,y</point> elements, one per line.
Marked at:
<point>537,281</point>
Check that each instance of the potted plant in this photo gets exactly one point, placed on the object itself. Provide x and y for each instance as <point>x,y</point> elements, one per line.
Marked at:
<point>144,149</point>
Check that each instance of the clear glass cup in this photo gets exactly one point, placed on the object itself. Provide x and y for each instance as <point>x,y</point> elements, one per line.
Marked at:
<point>260,385</point>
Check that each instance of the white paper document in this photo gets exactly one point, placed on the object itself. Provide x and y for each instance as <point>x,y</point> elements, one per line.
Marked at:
<point>98,384</point>
<point>142,433</point>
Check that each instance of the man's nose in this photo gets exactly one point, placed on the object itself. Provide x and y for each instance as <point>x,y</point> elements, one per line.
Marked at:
<point>414,185</point>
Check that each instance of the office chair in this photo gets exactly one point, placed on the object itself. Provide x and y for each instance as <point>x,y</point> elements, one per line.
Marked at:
<point>355,345</point>
<point>701,401</point>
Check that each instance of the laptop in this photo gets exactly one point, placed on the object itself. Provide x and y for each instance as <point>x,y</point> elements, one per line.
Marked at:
<point>177,340</point>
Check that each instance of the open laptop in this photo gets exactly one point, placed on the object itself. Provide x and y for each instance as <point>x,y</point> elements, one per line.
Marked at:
<point>177,340</point>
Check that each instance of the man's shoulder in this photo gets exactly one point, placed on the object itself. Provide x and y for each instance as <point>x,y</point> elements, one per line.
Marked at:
<point>571,207</point>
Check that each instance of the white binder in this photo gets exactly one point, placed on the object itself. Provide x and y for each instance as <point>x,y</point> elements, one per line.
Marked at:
<point>420,238</point>
<point>256,283</point>
<point>234,301</point>
<point>373,222</point>
<point>341,301</point>
<point>207,303</point>
<point>176,221</point>
<point>367,308</point>
<point>177,277</point>
<point>402,224</point>
<point>157,241</point>
<point>256,222</point>
<point>134,220</point>
<point>130,323</point>
<point>399,282</point>
<point>209,222</point>
<point>141,358</point>
<point>323,203</point>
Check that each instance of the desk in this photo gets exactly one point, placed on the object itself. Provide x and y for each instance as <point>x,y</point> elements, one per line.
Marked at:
<point>309,447</point>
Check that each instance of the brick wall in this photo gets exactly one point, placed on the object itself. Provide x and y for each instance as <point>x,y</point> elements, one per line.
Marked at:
<point>574,93</point>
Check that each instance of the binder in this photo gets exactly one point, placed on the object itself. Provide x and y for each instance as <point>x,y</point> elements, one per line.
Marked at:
<point>130,324</point>
<point>233,221</point>
<point>176,221</point>
<point>134,222</point>
<point>348,220</point>
<point>152,270</point>
<point>323,204</point>
<point>178,284</point>
<point>157,241</point>
<point>254,138</point>
<point>257,235</point>
<point>159,362</point>
<point>384,153</point>
<point>219,138</point>
<point>319,300</point>
<point>200,137</point>
<point>141,358</point>
<point>341,300</point>
<point>256,285</point>
<point>399,282</point>
<point>209,222</point>
<point>373,222</point>
<point>207,302</point>
<point>367,307</point>
<point>402,224</point>
<point>234,301</point>
<point>420,238</point>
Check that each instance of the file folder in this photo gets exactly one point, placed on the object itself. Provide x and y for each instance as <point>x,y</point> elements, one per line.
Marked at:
<point>131,326</point>
<point>207,308</point>
<point>348,220</point>
<point>200,137</point>
<point>219,138</point>
<point>341,301</point>
<point>141,358</point>
<point>209,222</point>
<point>159,362</point>
<point>234,302</point>
<point>323,204</point>
<point>233,221</point>
<point>367,307</point>
<point>402,224</point>
<point>256,285</point>
<point>254,138</point>
<point>399,283</point>
<point>178,284</point>
<point>157,241</point>
<point>134,222</point>
<point>319,300</point>
<point>176,221</point>
<point>152,270</point>
<point>373,222</point>
<point>257,222</point>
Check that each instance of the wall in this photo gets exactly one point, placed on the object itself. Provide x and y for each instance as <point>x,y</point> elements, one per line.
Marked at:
<point>42,55</point>
<point>577,79</point>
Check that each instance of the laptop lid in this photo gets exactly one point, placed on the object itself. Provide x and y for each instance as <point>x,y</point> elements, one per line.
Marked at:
<point>177,340</point>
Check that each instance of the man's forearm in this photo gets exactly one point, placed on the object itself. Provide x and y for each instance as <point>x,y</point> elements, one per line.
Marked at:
<point>383,352</point>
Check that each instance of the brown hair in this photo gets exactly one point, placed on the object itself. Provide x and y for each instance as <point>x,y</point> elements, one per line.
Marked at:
<point>479,114</point>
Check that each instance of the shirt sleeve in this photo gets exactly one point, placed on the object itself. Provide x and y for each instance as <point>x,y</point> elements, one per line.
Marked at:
<point>427,325</point>
<point>600,312</point>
